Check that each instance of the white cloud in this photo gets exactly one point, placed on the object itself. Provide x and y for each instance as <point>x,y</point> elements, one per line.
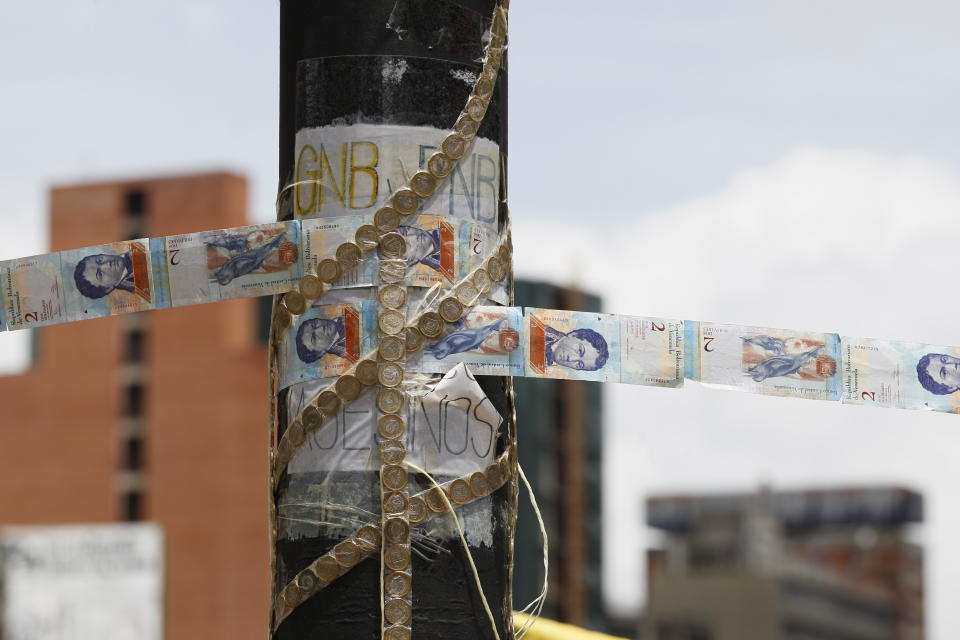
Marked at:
<point>828,240</point>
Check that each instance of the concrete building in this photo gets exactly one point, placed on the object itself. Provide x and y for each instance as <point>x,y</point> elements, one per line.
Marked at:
<point>158,416</point>
<point>802,565</point>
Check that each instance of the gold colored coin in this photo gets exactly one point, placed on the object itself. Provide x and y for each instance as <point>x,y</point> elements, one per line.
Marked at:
<point>348,387</point>
<point>499,26</point>
<point>478,484</point>
<point>454,146</point>
<point>391,374</point>
<point>405,201</point>
<point>392,271</point>
<point>466,128</point>
<point>347,554</point>
<point>295,302</point>
<point>398,584</point>
<point>368,538</point>
<point>396,530</point>
<point>430,324</point>
<point>282,318</point>
<point>395,502</point>
<point>393,245</point>
<point>311,287</point>
<point>391,348</point>
<point>308,582</point>
<point>326,569</point>
<point>434,500</point>
<point>476,109</point>
<point>311,418</point>
<point>439,165</point>
<point>283,450</point>
<point>496,269</point>
<point>413,338</point>
<point>460,492</point>
<point>328,270</point>
<point>494,479</point>
<point>295,434</point>
<point>389,400</point>
<point>392,451</point>
<point>291,595</point>
<point>393,477</point>
<point>450,309</point>
<point>392,296</point>
<point>417,510</point>
<point>397,557</point>
<point>483,88</point>
<point>391,322</point>
<point>328,402</point>
<point>397,633</point>
<point>481,280</point>
<point>366,372</point>
<point>386,219</point>
<point>397,611</point>
<point>349,255</point>
<point>466,293</point>
<point>366,237</point>
<point>423,184</point>
<point>390,426</point>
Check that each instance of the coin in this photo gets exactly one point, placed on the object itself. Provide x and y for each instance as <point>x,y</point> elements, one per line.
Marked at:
<point>392,271</point>
<point>295,434</point>
<point>405,201</point>
<point>496,269</point>
<point>291,595</point>
<point>366,237</point>
<point>283,450</point>
<point>397,557</point>
<point>390,426</point>
<point>434,500</point>
<point>396,633</point>
<point>392,296</point>
<point>396,530</point>
<point>417,510</point>
<point>478,484</point>
<point>368,538</point>
<point>326,569</point>
<point>391,348</point>
<point>439,165</point>
<point>295,302</point>
<point>393,477</point>
<point>311,287</point>
<point>413,338</point>
<point>392,451</point>
<point>282,318</point>
<point>460,492</point>
<point>346,554</point>
<point>391,374</point>
<point>348,387</point>
<point>328,270</point>
<point>366,372</point>
<point>389,400</point>
<point>349,254</point>
<point>397,584</point>
<point>395,502</point>
<point>494,479</point>
<point>476,109</point>
<point>466,293</point>
<point>392,245</point>
<point>396,611</point>
<point>454,146</point>
<point>423,184</point>
<point>391,322</point>
<point>386,219</point>
<point>483,88</point>
<point>450,309</point>
<point>466,128</point>
<point>481,280</point>
<point>328,403</point>
<point>430,324</point>
<point>307,581</point>
<point>499,26</point>
<point>311,418</point>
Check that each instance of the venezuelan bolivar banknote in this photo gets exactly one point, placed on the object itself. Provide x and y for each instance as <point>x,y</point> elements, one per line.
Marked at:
<point>320,238</point>
<point>431,249</point>
<point>903,375</point>
<point>651,351</point>
<point>486,339</point>
<point>78,284</point>
<point>326,341</point>
<point>571,345</point>
<point>477,243</point>
<point>776,362</point>
<point>230,263</point>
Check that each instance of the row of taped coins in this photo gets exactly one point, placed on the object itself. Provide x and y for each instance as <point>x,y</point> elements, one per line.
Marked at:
<point>368,539</point>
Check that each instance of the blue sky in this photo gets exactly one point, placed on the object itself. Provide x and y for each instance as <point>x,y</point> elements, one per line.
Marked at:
<point>772,163</point>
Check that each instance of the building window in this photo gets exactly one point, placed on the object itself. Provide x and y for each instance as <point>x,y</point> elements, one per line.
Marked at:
<point>133,397</point>
<point>134,348</point>
<point>132,506</point>
<point>135,211</point>
<point>133,454</point>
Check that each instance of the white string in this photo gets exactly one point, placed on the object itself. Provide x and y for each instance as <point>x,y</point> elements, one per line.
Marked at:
<point>538,602</point>
<point>466,547</point>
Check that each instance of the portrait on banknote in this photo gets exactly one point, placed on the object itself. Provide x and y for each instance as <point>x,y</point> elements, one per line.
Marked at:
<point>326,341</point>
<point>573,345</point>
<point>108,279</point>
<point>431,249</point>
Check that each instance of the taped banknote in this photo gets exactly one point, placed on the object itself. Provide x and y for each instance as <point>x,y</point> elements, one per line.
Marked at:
<point>320,238</point>
<point>903,375</point>
<point>486,339</point>
<point>93,282</point>
<point>778,362</point>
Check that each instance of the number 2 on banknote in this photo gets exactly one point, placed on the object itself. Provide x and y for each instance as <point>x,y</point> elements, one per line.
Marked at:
<point>706,344</point>
<point>173,257</point>
<point>31,317</point>
<point>657,327</point>
<point>868,395</point>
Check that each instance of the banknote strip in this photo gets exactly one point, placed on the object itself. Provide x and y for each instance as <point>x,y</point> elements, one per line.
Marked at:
<point>777,362</point>
<point>320,238</point>
<point>231,263</point>
<point>902,375</point>
<point>486,339</point>
<point>327,340</point>
<point>92,282</point>
<point>431,249</point>
<point>476,244</point>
